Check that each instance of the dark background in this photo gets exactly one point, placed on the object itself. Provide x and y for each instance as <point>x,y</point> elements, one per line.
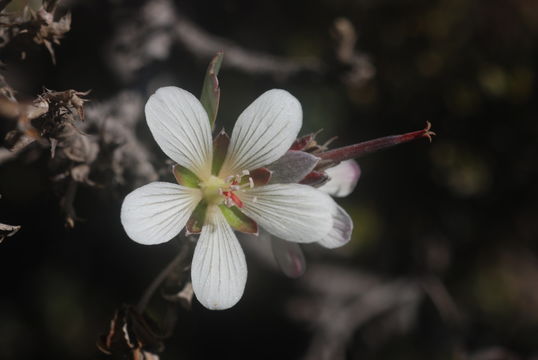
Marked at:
<point>461,210</point>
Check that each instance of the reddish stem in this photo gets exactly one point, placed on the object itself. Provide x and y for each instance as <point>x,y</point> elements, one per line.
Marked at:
<point>366,147</point>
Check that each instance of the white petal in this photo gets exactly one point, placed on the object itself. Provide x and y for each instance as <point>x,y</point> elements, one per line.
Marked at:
<point>343,179</point>
<point>340,233</point>
<point>180,126</point>
<point>263,132</point>
<point>292,212</point>
<point>219,269</point>
<point>155,213</point>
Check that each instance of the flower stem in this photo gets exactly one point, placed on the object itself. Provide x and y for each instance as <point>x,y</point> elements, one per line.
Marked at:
<point>367,147</point>
<point>162,276</point>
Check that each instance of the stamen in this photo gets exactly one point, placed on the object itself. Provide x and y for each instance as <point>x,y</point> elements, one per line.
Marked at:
<point>228,202</point>
<point>234,183</point>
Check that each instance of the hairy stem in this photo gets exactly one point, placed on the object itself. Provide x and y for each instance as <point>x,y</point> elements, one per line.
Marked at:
<point>367,147</point>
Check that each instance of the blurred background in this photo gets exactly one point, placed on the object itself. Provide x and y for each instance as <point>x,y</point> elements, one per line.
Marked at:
<point>443,260</point>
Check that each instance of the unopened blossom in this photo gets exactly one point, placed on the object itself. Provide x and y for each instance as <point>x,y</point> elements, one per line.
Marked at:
<point>230,191</point>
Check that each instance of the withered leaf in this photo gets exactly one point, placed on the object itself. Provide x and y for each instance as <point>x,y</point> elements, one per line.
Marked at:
<point>130,336</point>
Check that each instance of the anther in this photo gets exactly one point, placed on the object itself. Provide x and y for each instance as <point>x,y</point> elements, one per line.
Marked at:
<point>228,202</point>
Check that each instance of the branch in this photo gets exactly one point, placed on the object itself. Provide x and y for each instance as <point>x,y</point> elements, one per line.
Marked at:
<point>8,230</point>
<point>150,34</point>
<point>359,66</point>
<point>204,45</point>
<point>343,300</point>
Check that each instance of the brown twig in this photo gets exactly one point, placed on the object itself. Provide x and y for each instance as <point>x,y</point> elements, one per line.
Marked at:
<point>204,45</point>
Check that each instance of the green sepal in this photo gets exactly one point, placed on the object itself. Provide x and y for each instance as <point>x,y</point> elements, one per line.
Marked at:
<point>197,219</point>
<point>185,177</point>
<point>220,148</point>
<point>211,91</point>
<point>239,221</point>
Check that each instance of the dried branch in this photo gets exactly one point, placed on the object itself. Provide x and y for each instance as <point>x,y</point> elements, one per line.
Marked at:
<point>131,336</point>
<point>150,34</point>
<point>122,159</point>
<point>493,353</point>
<point>443,301</point>
<point>38,26</point>
<point>340,301</point>
<point>3,4</point>
<point>203,45</point>
<point>103,147</point>
<point>6,155</point>
<point>7,231</point>
<point>359,68</point>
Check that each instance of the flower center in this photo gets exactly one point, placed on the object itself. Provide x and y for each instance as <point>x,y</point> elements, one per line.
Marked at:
<point>217,191</point>
<point>211,190</point>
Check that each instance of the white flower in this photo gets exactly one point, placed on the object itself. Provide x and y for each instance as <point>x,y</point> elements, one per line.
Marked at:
<point>342,181</point>
<point>226,197</point>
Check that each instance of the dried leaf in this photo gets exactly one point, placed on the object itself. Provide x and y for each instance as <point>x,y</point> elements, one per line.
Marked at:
<point>131,336</point>
<point>39,26</point>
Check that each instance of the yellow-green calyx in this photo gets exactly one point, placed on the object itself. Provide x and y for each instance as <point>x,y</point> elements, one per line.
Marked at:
<point>212,190</point>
